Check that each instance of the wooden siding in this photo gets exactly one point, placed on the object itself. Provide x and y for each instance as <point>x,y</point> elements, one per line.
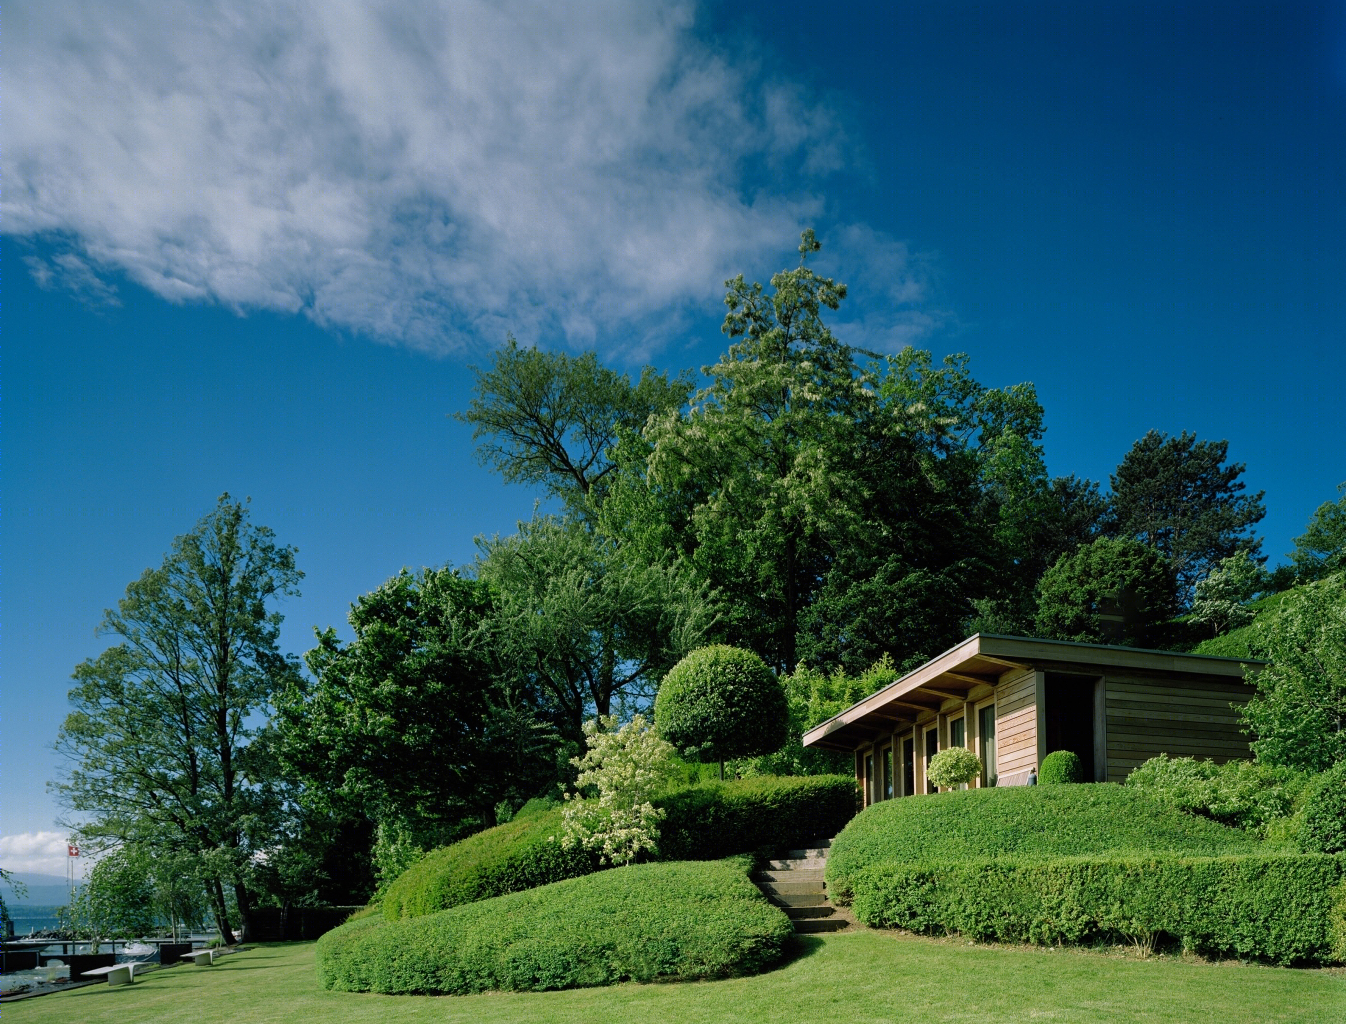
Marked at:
<point>1178,717</point>
<point>1016,724</point>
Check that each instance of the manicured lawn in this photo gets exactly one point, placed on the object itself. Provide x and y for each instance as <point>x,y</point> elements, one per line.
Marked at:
<point>861,976</point>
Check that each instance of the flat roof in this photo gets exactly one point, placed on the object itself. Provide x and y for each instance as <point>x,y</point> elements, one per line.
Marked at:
<point>982,659</point>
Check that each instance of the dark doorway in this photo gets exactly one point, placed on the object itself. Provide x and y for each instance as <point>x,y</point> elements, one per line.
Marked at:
<point>1070,717</point>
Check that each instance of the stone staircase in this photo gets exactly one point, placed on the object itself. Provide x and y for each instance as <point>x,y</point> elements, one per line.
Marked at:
<point>795,884</point>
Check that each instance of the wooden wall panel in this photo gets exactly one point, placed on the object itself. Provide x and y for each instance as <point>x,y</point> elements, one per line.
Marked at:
<point>1178,717</point>
<point>1016,724</point>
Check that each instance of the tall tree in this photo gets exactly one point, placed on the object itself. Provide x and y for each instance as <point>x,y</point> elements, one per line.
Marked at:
<point>1177,495</point>
<point>416,723</point>
<point>587,624</point>
<point>158,744</point>
<point>549,419</point>
<point>1320,551</point>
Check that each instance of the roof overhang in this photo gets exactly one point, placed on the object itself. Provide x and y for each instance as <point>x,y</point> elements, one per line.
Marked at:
<point>982,659</point>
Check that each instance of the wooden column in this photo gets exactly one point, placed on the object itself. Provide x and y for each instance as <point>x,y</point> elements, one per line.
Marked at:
<point>970,735</point>
<point>1040,688</point>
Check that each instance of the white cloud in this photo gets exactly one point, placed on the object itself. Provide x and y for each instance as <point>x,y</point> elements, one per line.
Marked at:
<point>428,174</point>
<point>34,853</point>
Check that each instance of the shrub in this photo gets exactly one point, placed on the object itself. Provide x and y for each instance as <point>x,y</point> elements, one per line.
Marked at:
<point>1322,819</point>
<point>1071,594</point>
<point>717,819</point>
<point>647,922</point>
<point>1023,821</point>
<point>520,854</point>
<point>626,766</point>
<point>1060,766</point>
<point>953,767</point>
<point>1274,907</point>
<point>721,702</point>
<point>1245,794</point>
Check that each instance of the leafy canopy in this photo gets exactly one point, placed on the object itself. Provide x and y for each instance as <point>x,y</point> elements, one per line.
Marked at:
<point>1110,591</point>
<point>722,702</point>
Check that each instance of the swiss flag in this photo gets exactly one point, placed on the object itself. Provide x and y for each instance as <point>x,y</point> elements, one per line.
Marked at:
<point>72,850</point>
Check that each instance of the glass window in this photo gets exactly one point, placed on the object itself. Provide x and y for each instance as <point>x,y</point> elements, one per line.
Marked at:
<point>888,773</point>
<point>908,766</point>
<point>957,733</point>
<point>869,779</point>
<point>931,749</point>
<point>986,730</point>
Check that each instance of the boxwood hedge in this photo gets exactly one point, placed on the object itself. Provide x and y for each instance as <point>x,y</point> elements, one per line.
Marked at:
<point>1025,821</point>
<point>704,822</point>
<point>1279,907</point>
<point>647,922</point>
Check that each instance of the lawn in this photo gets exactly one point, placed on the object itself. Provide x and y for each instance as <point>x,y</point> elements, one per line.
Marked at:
<point>860,976</point>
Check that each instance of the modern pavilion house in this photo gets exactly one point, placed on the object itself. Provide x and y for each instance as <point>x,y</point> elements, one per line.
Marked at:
<point>1013,700</point>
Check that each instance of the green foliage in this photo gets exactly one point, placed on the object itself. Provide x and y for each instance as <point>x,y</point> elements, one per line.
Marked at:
<point>1060,766</point>
<point>1105,576</point>
<point>1176,495</point>
<point>813,697</point>
<point>953,767</point>
<point>648,922</point>
<point>1320,551</point>
<point>584,621</point>
<point>1270,907</point>
<point>721,702</point>
<point>1023,821</point>
<point>116,901</point>
<point>625,766</point>
<point>160,742</point>
<point>1222,598</point>
<point>552,419</point>
<point>522,854</point>
<point>1244,794</point>
<point>415,724</point>
<point>717,819</point>
<point>394,852</point>
<point>1298,715</point>
<point>1322,819</point>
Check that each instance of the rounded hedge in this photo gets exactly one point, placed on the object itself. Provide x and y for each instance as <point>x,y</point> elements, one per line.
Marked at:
<point>1023,821</point>
<point>953,767</point>
<point>647,922</point>
<point>722,702</point>
<point>1322,824</point>
<point>1060,766</point>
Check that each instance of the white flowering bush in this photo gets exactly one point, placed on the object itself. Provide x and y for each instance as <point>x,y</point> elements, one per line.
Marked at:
<point>627,766</point>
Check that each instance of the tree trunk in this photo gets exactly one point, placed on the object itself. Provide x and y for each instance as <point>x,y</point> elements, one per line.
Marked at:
<point>221,911</point>
<point>245,923</point>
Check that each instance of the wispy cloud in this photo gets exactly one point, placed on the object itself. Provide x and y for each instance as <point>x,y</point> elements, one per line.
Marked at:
<point>34,853</point>
<point>426,174</point>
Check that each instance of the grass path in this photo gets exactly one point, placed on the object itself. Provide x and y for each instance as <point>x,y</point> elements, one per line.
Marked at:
<point>856,978</point>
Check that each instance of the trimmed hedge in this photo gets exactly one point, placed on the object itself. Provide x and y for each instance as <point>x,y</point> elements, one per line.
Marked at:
<point>1024,821</point>
<point>508,858</point>
<point>647,922</point>
<point>1322,824</point>
<point>706,822</point>
<point>1060,766</point>
<point>722,702</point>
<point>718,819</point>
<point>1281,908</point>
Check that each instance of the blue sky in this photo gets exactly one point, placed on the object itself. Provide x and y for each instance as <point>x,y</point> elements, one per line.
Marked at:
<point>256,249</point>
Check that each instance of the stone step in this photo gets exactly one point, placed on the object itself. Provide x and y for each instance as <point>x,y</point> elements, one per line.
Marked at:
<point>799,913</point>
<point>791,888</point>
<point>823,925</point>
<point>785,900</point>
<point>794,875</point>
<point>801,863</point>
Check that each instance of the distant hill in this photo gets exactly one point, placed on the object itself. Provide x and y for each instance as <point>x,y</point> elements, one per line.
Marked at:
<point>43,890</point>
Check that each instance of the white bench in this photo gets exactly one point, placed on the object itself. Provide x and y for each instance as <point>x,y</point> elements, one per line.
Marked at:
<point>117,974</point>
<point>201,957</point>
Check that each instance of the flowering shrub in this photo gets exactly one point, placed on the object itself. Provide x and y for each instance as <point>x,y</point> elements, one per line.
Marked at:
<point>627,766</point>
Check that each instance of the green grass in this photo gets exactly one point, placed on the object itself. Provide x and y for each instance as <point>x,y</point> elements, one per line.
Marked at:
<point>1025,821</point>
<point>862,976</point>
<point>647,922</point>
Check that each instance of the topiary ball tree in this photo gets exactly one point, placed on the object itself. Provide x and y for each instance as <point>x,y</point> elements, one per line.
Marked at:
<point>1060,766</point>
<point>722,702</point>
<point>953,767</point>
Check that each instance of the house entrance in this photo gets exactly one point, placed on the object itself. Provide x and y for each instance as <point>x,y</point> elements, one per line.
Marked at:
<point>1071,702</point>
